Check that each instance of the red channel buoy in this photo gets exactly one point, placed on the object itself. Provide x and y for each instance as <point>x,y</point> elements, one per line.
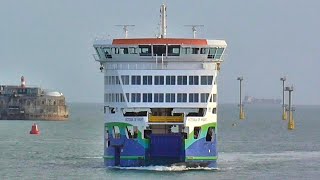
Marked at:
<point>34,129</point>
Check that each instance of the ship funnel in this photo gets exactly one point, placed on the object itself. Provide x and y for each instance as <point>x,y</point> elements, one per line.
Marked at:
<point>23,82</point>
<point>163,23</point>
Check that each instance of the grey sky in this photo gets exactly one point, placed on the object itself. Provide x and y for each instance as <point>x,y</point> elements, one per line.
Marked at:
<point>50,42</point>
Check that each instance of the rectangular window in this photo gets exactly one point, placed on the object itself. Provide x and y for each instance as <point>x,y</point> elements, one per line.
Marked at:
<point>125,80</point>
<point>158,97</point>
<point>136,80</point>
<point>122,98</point>
<point>193,80</point>
<point>186,50</point>
<point>173,50</point>
<point>193,97</point>
<point>145,50</point>
<point>204,97</point>
<point>117,80</point>
<point>195,50</point>
<point>135,97</point>
<point>159,80</point>
<point>128,97</point>
<point>182,97</point>
<point>214,111</point>
<point>213,98</point>
<point>204,51</point>
<point>170,80</point>
<point>132,50</point>
<point>206,80</point>
<point>147,80</point>
<point>147,97</point>
<point>170,97</point>
<point>182,80</point>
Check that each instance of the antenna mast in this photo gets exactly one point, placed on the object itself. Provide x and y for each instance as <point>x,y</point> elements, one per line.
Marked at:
<point>194,30</point>
<point>163,23</point>
<point>125,28</point>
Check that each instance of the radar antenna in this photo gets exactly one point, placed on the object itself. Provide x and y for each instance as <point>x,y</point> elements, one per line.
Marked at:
<point>194,30</point>
<point>125,28</point>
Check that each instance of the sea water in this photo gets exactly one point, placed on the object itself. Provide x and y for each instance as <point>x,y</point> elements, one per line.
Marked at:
<point>259,147</point>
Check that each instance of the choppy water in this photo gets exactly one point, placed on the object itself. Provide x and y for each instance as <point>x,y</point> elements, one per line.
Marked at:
<point>258,147</point>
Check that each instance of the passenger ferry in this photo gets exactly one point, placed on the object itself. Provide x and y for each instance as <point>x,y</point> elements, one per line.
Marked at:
<point>160,99</point>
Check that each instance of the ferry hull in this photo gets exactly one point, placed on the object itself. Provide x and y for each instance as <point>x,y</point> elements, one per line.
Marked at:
<point>160,149</point>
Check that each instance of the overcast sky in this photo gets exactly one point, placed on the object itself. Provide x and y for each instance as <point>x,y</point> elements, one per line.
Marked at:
<point>50,42</point>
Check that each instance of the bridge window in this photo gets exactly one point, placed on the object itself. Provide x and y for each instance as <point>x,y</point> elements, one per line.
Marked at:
<point>147,80</point>
<point>115,50</point>
<point>195,50</point>
<point>107,52</point>
<point>212,52</point>
<point>136,80</point>
<point>193,97</point>
<point>147,97</point>
<point>196,132</point>
<point>159,50</point>
<point>206,80</point>
<point>123,50</point>
<point>159,80</point>
<point>219,53</point>
<point>170,80</point>
<point>135,97</point>
<point>173,50</point>
<point>193,80</point>
<point>203,51</point>
<point>125,80</point>
<point>170,97</point>
<point>158,97</point>
<point>210,134</point>
<point>145,50</point>
<point>182,80</point>
<point>186,50</point>
<point>128,96</point>
<point>182,97</point>
<point>204,97</point>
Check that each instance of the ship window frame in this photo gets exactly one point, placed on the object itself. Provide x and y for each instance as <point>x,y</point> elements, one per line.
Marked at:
<point>147,97</point>
<point>204,97</point>
<point>182,80</point>
<point>135,97</point>
<point>132,132</point>
<point>186,50</point>
<point>219,52</point>
<point>145,50</point>
<point>195,50</point>
<point>182,97</point>
<point>136,80</point>
<point>147,80</point>
<point>158,80</point>
<point>158,98</point>
<point>172,49</point>
<point>125,79</point>
<point>116,132</point>
<point>193,80</point>
<point>193,97</point>
<point>170,80</point>
<point>158,50</point>
<point>170,97</point>
<point>204,51</point>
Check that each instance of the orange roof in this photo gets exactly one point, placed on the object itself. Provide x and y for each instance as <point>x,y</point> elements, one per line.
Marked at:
<point>159,41</point>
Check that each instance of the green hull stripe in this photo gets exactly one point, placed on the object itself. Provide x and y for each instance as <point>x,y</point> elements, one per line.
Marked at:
<point>201,158</point>
<point>125,157</point>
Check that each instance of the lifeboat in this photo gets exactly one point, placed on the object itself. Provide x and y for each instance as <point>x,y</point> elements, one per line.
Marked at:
<point>34,129</point>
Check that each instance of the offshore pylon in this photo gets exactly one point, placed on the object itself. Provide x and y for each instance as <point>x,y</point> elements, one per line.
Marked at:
<point>241,112</point>
<point>284,112</point>
<point>291,124</point>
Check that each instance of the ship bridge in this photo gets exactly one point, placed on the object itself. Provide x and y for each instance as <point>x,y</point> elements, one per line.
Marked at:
<point>152,48</point>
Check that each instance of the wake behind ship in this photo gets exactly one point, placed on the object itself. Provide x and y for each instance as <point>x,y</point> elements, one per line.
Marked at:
<point>160,99</point>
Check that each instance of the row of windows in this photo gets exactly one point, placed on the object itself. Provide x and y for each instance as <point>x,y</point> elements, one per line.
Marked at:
<point>159,50</point>
<point>161,97</point>
<point>159,80</point>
